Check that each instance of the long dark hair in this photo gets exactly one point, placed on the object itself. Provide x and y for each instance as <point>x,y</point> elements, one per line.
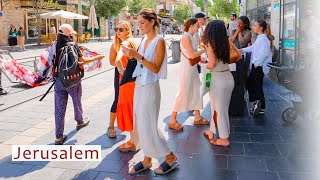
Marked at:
<point>62,41</point>
<point>189,22</point>
<point>215,34</point>
<point>246,22</point>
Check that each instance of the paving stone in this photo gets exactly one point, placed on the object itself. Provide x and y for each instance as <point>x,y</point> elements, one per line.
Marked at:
<point>40,173</point>
<point>239,137</point>
<point>265,138</point>
<point>234,149</point>
<point>20,140</point>
<point>295,150</point>
<point>18,127</point>
<point>289,164</point>
<point>106,166</point>
<point>261,150</point>
<point>5,135</point>
<point>35,132</point>
<point>76,174</point>
<point>9,170</point>
<point>247,129</point>
<point>246,163</point>
<point>259,175</point>
<point>104,175</point>
<point>297,176</point>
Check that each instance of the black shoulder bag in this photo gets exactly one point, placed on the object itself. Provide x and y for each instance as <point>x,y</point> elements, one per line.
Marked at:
<point>128,72</point>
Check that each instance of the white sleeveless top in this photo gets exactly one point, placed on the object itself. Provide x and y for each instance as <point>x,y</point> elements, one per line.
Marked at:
<point>146,75</point>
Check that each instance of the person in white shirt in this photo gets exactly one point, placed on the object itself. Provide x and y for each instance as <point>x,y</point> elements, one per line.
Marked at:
<point>233,24</point>
<point>261,56</point>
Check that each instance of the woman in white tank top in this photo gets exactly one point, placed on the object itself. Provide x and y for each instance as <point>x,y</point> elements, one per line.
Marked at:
<point>150,68</point>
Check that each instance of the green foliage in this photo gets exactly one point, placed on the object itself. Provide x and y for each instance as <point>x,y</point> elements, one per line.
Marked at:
<point>223,8</point>
<point>136,5</point>
<point>109,8</point>
<point>200,3</point>
<point>181,13</point>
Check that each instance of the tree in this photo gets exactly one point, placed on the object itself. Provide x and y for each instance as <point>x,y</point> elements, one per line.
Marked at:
<point>109,8</point>
<point>37,6</point>
<point>136,5</point>
<point>200,3</point>
<point>223,8</point>
<point>181,13</point>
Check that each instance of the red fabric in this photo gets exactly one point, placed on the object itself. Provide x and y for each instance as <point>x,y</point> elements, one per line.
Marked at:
<point>28,77</point>
<point>125,103</point>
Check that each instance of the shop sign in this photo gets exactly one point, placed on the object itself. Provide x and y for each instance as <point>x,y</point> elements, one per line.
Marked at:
<point>288,43</point>
<point>276,7</point>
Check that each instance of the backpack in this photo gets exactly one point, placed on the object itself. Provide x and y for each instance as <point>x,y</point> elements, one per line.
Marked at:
<point>68,68</point>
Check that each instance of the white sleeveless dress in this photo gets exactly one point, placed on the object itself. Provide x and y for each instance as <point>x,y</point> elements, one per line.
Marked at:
<point>189,96</point>
<point>146,106</point>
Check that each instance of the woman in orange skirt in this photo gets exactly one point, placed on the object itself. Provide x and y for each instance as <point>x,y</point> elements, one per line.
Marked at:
<point>126,91</point>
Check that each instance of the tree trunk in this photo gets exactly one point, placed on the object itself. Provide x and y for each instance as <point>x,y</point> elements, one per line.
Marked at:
<point>38,29</point>
<point>109,29</point>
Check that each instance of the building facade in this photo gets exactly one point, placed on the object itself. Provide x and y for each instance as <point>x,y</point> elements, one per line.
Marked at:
<point>290,20</point>
<point>21,13</point>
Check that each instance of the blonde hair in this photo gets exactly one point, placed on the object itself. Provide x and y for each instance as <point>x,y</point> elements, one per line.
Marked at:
<point>117,40</point>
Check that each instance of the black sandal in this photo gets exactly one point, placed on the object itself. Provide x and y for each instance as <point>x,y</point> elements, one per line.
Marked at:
<point>138,168</point>
<point>165,167</point>
<point>61,141</point>
<point>84,124</point>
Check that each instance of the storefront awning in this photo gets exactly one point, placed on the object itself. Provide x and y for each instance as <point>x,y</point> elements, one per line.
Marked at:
<point>62,15</point>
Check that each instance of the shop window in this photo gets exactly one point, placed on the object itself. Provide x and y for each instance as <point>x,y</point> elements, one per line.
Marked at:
<point>289,16</point>
<point>289,1</point>
<point>32,32</point>
<point>287,57</point>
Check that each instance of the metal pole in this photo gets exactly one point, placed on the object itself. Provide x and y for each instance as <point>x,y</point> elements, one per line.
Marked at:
<point>79,20</point>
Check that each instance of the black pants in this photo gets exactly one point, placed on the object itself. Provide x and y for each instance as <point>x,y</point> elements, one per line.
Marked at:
<point>116,91</point>
<point>254,85</point>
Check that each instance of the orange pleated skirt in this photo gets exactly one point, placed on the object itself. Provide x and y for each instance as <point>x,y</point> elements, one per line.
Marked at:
<point>125,103</point>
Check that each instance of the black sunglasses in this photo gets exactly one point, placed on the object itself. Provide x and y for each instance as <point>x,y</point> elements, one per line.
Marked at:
<point>120,29</point>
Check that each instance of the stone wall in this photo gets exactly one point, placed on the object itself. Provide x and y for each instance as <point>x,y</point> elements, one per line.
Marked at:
<point>12,14</point>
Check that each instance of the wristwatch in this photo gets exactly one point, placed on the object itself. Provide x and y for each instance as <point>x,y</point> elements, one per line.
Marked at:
<point>140,61</point>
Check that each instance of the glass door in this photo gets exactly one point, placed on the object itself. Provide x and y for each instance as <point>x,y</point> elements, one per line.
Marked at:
<point>288,33</point>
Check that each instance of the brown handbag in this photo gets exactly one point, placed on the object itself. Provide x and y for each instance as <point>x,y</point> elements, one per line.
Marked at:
<point>234,56</point>
<point>193,61</point>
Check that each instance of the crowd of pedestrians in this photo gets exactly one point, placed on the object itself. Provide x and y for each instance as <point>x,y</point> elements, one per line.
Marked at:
<point>137,102</point>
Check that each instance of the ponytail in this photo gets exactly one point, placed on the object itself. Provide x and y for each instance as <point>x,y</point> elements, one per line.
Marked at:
<point>270,36</point>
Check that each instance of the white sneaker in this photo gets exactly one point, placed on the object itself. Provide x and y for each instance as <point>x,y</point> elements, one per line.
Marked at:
<point>261,111</point>
<point>256,107</point>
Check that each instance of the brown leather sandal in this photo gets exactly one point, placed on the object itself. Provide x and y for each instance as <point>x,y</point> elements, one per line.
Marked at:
<point>111,132</point>
<point>176,126</point>
<point>202,121</point>
<point>127,147</point>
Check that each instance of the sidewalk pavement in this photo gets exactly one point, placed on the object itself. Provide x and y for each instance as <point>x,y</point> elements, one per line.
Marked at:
<point>262,148</point>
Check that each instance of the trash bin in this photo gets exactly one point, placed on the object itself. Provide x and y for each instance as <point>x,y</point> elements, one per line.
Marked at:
<point>175,44</point>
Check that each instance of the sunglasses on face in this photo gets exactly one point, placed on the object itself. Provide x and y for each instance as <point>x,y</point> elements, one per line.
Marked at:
<point>120,29</point>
